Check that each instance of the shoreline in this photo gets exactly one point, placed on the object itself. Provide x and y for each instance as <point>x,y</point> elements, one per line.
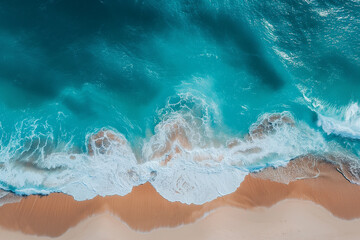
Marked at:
<point>287,219</point>
<point>145,210</point>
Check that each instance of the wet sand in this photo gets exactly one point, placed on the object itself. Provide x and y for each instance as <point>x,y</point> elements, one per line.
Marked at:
<point>288,219</point>
<point>145,210</point>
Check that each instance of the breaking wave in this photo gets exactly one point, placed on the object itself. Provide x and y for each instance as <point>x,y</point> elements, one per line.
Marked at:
<point>183,159</point>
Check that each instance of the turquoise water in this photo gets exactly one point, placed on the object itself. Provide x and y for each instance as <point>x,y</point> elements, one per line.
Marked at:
<point>207,71</point>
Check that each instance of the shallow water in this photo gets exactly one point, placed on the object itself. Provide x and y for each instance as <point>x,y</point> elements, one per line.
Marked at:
<point>180,84</point>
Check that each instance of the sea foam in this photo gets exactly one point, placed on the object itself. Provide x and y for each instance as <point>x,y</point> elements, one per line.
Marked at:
<point>183,159</point>
<point>343,121</point>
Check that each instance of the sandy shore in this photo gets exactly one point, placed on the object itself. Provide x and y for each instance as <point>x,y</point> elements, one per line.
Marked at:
<point>288,219</point>
<point>145,210</point>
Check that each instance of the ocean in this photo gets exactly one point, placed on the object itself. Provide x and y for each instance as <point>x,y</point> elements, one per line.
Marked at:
<point>99,96</point>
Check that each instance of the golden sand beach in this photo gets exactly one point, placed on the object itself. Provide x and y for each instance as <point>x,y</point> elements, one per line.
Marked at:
<point>325,201</point>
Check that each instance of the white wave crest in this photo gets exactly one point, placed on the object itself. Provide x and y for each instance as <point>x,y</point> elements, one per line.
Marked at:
<point>184,159</point>
<point>343,121</point>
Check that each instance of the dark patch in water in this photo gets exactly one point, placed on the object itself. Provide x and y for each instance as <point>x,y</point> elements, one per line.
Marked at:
<point>46,45</point>
<point>337,64</point>
<point>314,117</point>
<point>80,107</point>
<point>234,32</point>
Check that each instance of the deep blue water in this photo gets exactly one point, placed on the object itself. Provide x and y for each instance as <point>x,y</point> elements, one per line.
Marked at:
<point>207,71</point>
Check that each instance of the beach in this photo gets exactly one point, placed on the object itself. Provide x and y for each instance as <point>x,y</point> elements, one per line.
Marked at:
<point>196,119</point>
<point>288,219</point>
<point>324,204</point>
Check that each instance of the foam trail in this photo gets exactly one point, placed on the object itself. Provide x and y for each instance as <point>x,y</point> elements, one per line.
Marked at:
<point>343,121</point>
<point>184,160</point>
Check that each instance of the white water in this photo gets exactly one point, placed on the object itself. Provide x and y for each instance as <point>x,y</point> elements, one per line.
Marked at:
<point>343,121</point>
<point>183,159</point>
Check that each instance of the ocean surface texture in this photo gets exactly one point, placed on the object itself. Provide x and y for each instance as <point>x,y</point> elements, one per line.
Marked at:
<point>99,96</point>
